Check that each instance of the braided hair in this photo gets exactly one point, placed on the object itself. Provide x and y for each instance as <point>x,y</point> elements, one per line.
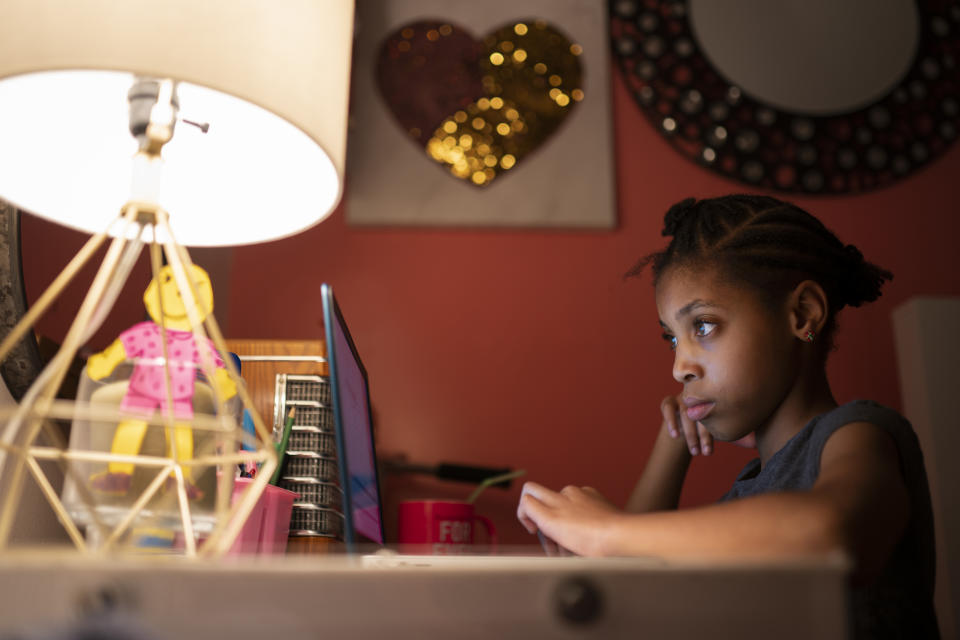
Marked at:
<point>768,244</point>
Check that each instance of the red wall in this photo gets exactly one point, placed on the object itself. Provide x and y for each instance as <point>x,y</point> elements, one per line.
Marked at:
<point>527,349</point>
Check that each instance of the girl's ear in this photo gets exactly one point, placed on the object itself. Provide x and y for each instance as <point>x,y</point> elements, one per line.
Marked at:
<point>808,308</point>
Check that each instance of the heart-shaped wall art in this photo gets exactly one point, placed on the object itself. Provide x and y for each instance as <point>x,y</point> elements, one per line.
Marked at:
<point>480,107</point>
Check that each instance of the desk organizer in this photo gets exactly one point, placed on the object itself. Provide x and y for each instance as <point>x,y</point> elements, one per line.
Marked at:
<point>310,465</point>
<point>310,491</point>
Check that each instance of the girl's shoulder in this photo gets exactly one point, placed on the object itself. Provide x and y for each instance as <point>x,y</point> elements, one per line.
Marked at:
<point>888,420</point>
<point>863,411</point>
<point>796,465</point>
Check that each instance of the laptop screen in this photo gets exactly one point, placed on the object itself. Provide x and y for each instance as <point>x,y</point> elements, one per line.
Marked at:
<point>354,430</point>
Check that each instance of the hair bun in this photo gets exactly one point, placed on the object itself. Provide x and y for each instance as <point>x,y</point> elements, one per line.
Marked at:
<point>861,281</point>
<point>675,216</point>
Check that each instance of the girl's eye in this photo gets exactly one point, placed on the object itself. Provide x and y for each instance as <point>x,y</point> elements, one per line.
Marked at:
<point>671,340</point>
<point>702,328</point>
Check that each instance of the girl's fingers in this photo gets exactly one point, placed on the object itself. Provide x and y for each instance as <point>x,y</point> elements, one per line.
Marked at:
<point>540,492</point>
<point>677,424</point>
<point>593,493</point>
<point>536,501</point>
<point>690,434</point>
<point>706,440</point>
<point>669,408</point>
<point>527,511</point>
<point>571,492</point>
<point>550,547</point>
<point>525,520</point>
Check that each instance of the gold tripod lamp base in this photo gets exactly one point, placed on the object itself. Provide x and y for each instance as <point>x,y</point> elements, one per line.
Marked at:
<point>156,429</point>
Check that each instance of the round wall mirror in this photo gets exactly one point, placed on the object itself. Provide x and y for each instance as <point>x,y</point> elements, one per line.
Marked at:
<point>812,96</point>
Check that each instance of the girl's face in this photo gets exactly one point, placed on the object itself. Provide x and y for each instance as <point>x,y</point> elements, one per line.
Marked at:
<point>735,356</point>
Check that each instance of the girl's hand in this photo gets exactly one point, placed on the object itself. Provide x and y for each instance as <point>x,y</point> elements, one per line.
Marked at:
<point>680,427</point>
<point>574,520</point>
<point>693,434</point>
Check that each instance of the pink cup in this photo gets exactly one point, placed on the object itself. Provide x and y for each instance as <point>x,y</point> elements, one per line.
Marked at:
<point>248,540</point>
<point>268,525</point>
<point>278,507</point>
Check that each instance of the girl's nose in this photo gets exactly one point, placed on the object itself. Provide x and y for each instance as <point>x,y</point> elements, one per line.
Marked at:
<point>685,367</point>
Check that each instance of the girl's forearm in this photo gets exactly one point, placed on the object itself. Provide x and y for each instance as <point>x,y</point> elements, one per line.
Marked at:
<point>767,525</point>
<point>662,479</point>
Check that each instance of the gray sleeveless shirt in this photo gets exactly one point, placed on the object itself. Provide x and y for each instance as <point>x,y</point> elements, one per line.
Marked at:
<point>899,603</point>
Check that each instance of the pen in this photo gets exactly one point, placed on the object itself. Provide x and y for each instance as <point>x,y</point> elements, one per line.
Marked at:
<point>282,445</point>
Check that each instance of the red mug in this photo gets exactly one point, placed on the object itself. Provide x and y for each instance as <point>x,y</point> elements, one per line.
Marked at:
<point>440,527</point>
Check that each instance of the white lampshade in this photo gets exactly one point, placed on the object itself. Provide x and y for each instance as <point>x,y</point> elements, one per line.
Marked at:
<point>271,77</point>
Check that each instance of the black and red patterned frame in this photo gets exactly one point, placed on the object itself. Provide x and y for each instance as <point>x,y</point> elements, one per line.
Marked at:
<point>716,124</point>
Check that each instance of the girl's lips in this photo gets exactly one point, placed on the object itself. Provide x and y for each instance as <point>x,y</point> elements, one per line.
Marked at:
<point>699,411</point>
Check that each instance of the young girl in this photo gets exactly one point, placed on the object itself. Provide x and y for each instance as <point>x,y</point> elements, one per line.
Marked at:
<point>748,292</point>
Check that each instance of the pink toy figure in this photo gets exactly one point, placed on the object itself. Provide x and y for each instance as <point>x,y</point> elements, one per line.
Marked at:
<point>147,390</point>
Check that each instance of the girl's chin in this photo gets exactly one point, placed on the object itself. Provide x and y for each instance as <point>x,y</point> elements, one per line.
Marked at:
<point>746,440</point>
<point>721,434</point>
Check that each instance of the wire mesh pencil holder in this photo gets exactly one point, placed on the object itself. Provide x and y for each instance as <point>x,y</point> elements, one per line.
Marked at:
<point>310,463</point>
<point>310,520</point>
<point>313,492</point>
<point>319,417</point>
<point>313,466</point>
<point>314,440</point>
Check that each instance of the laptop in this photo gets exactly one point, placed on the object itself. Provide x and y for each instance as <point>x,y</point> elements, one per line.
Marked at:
<point>353,426</point>
<point>362,505</point>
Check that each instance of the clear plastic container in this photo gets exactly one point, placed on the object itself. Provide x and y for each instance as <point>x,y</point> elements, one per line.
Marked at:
<point>121,444</point>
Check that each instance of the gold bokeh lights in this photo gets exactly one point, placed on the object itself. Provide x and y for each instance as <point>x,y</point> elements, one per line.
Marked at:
<point>532,78</point>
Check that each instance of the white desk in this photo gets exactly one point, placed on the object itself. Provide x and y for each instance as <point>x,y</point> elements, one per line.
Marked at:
<point>301,597</point>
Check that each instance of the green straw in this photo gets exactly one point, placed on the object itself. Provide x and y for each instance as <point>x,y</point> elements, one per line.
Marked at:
<point>282,445</point>
<point>494,480</point>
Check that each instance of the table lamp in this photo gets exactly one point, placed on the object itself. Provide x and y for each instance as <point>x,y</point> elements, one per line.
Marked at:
<point>212,123</point>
